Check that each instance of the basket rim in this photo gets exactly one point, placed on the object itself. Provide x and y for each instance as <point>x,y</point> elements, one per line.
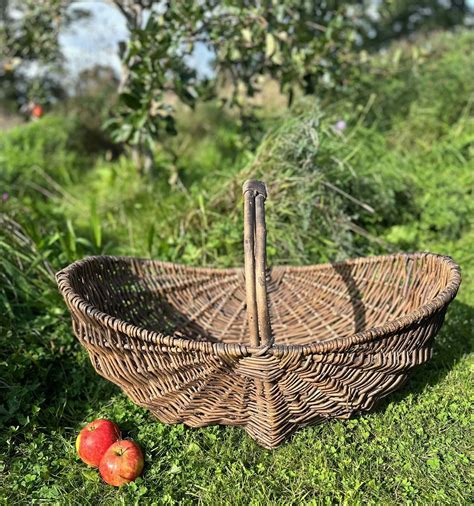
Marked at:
<point>336,344</point>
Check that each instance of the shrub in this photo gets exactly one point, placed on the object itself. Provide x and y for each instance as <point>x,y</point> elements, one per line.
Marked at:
<point>42,147</point>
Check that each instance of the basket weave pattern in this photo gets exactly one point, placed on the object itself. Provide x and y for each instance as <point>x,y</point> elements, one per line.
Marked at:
<point>287,347</point>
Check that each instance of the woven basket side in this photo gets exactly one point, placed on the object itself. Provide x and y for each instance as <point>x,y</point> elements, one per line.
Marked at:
<point>269,395</point>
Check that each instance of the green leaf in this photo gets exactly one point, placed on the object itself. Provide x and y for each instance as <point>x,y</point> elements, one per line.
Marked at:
<point>130,100</point>
<point>150,238</point>
<point>96,225</point>
<point>434,463</point>
<point>270,45</point>
<point>246,35</point>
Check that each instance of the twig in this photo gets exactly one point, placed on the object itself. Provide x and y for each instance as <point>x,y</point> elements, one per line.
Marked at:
<point>348,196</point>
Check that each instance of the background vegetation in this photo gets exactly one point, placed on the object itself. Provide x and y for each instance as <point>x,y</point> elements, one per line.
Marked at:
<point>386,166</point>
<point>311,47</point>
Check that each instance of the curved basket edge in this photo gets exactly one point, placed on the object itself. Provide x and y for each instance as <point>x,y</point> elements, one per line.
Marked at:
<point>442,300</point>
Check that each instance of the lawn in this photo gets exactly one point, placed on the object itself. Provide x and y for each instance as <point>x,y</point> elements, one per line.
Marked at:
<point>407,152</point>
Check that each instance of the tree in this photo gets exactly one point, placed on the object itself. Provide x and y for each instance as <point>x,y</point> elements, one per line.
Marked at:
<point>302,45</point>
<point>29,36</point>
<point>401,18</point>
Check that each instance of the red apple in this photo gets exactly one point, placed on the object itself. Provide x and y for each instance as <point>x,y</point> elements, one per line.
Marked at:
<point>37,111</point>
<point>121,463</point>
<point>94,439</point>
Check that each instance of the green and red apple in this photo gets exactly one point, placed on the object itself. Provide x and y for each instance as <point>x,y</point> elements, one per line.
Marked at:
<point>121,463</point>
<point>95,439</point>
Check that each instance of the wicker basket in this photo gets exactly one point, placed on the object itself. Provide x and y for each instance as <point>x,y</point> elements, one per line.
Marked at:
<point>268,349</point>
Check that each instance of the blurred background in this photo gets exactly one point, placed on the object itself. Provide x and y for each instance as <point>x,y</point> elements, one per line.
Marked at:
<point>128,127</point>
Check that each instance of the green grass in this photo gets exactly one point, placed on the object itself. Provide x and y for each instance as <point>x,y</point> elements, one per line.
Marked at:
<point>413,164</point>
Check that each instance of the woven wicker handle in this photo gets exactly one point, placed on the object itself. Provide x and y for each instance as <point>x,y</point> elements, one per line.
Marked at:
<point>255,237</point>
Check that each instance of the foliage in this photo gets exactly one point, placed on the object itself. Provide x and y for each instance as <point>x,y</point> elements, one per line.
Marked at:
<point>307,47</point>
<point>89,106</point>
<point>48,146</point>
<point>29,35</point>
<point>396,20</point>
<point>340,187</point>
<point>298,44</point>
<point>413,449</point>
<point>322,184</point>
<point>426,82</point>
